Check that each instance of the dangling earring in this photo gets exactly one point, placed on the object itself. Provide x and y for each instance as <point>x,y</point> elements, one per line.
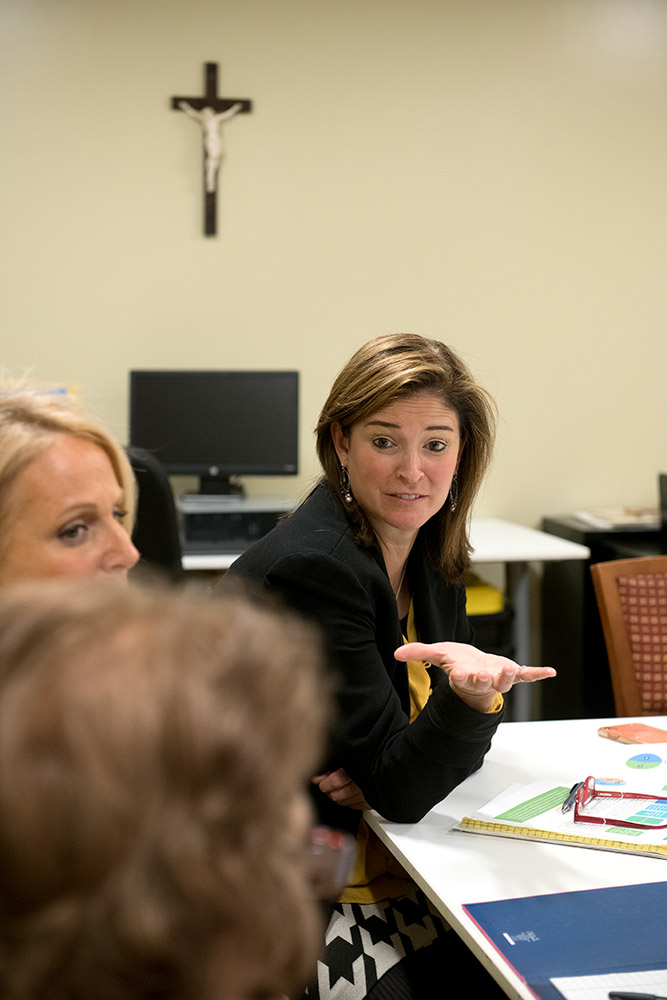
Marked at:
<point>344,485</point>
<point>454,492</point>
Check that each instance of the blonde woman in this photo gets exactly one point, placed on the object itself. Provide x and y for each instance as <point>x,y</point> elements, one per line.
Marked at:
<point>67,492</point>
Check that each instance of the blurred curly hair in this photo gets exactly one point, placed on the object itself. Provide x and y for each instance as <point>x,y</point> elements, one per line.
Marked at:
<point>154,747</point>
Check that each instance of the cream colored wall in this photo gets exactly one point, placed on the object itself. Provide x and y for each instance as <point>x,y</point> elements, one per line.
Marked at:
<point>489,172</point>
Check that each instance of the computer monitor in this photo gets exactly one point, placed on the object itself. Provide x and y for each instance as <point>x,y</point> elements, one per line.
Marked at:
<point>217,424</point>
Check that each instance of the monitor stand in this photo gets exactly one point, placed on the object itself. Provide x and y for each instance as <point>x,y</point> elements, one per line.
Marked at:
<point>220,486</point>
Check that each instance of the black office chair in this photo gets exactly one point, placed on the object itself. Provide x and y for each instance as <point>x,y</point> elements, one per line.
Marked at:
<point>662,493</point>
<point>155,534</point>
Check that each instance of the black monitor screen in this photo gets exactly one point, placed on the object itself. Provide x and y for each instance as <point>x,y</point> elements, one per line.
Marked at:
<point>217,424</point>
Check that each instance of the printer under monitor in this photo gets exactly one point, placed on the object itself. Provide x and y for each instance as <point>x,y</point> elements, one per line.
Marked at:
<point>226,524</point>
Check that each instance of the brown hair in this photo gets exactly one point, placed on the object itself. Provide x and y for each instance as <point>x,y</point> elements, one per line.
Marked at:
<point>394,367</point>
<point>29,419</point>
<point>152,749</point>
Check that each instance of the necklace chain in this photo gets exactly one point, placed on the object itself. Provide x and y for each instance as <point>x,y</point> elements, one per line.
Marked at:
<point>400,582</point>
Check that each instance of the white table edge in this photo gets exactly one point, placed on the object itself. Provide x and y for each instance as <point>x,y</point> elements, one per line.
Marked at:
<point>493,540</point>
<point>626,869</point>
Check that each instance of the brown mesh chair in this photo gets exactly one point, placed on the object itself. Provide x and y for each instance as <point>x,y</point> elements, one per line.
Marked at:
<point>632,598</point>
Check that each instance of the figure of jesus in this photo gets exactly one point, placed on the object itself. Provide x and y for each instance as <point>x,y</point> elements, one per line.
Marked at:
<point>212,134</point>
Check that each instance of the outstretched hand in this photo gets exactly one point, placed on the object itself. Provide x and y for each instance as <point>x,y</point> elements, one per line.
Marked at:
<point>476,677</point>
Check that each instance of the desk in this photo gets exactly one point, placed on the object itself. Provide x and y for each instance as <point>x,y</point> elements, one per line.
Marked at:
<point>572,639</point>
<point>455,868</point>
<point>493,541</point>
<point>514,545</point>
<point>208,562</point>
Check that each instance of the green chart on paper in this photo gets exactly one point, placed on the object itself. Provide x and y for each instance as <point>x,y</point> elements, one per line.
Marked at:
<point>539,804</point>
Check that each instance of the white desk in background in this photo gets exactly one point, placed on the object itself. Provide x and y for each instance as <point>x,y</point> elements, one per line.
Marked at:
<point>455,868</point>
<point>493,541</point>
<point>496,541</point>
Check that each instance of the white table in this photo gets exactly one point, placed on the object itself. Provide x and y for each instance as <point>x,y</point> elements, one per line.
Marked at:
<point>455,868</point>
<point>205,562</point>
<point>493,541</point>
<point>497,541</point>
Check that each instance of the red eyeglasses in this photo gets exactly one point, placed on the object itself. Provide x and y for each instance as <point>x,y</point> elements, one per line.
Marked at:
<point>650,816</point>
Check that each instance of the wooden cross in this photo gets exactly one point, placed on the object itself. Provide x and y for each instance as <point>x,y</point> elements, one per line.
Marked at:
<point>210,111</point>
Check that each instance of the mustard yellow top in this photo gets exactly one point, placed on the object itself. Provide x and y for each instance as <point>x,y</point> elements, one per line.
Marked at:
<point>377,874</point>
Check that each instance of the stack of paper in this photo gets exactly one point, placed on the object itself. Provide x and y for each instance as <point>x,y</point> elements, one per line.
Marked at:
<point>534,812</point>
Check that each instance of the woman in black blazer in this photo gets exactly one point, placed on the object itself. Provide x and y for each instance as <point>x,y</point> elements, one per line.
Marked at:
<point>375,556</point>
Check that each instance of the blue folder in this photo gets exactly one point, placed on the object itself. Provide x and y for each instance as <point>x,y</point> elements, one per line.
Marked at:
<point>621,929</point>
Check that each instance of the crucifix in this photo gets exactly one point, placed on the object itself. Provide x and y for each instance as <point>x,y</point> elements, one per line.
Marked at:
<point>210,111</point>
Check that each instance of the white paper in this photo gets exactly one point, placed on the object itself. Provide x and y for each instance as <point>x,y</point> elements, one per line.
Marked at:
<point>598,987</point>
